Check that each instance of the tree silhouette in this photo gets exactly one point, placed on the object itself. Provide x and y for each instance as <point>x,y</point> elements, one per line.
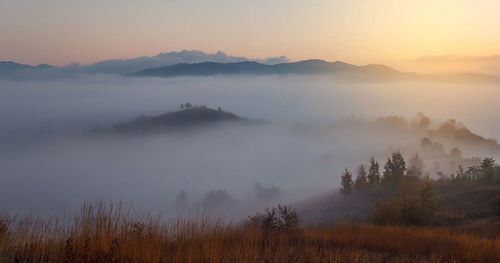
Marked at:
<point>361,179</point>
<point>374,172</point>
<point>415,166</point>
<point>487,168</point>
<point>346,182</point>
<point>394,168</point>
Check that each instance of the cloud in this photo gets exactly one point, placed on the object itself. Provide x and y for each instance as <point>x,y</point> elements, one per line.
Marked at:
<point>457,59</point>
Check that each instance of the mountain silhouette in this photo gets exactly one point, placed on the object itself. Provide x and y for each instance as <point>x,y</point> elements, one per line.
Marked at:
<point>197,63</point>
<point>16,71</point>
<point>342,70</point>
<point>125,66</point>
<point>305,67</point>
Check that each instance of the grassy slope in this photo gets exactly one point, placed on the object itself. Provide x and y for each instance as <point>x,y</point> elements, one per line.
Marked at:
<point>463,206</point>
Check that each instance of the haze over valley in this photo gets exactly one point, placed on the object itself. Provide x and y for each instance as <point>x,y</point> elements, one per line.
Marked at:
<point>46,150</point>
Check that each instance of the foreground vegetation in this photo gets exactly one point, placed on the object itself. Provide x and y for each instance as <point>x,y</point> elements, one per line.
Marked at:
<point>413,219</point>
<point>107,233</point>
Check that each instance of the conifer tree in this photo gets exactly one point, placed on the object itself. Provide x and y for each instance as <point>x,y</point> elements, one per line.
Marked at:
<point>374,172</point>
<point>394,168</point>
<point>361,179</point>
<point>347,182</point>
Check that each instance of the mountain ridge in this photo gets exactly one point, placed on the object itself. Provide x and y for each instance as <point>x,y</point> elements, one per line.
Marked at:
<point>236,66</point>
<point>370,72</point>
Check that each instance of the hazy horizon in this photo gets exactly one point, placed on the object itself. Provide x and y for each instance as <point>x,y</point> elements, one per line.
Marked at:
<point>357,32</point>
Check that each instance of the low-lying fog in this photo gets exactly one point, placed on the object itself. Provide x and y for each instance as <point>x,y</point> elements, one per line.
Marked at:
<point>48,166</point>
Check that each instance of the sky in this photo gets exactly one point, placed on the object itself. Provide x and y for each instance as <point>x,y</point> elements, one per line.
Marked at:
<point>59,32</point>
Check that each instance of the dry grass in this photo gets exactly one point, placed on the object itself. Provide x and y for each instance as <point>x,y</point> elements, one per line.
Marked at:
<point>108,233</point>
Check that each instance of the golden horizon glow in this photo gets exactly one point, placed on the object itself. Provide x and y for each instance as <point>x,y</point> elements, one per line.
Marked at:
<point>359,32</point>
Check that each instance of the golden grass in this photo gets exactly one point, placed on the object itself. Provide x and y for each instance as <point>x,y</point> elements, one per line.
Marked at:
<point>108,233</point>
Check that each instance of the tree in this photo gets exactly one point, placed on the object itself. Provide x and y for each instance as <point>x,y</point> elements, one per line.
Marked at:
<point>361,179</point>
<point>459,175</point>
<point>346,182</point>
<point>182,106</point>
<point>415,166</point>
<point>487,169</point>
<point>374,172</point>
<point>188,105</point>
<point>394,169</point>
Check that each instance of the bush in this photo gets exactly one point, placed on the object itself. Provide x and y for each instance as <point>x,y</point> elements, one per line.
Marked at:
<point>281,219</point>
<point>414,204</point>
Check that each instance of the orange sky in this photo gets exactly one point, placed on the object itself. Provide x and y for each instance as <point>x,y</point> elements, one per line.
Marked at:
<point>387,32</point>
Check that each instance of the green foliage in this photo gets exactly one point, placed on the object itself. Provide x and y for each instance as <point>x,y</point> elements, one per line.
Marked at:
<point>347,182</point>
<point>414,204</point>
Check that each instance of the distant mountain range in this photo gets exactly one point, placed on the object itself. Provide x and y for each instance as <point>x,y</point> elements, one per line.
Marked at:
<point>305,67</point>
<point>372,72</point>
<point>125,66</point>
<point>16,71</point>
<point>13,70</point>
<point>197,63</point>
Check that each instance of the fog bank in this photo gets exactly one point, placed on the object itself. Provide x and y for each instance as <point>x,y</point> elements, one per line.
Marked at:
<point>47,165</point>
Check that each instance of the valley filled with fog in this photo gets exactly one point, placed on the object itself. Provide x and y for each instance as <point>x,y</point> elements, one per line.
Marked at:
<point>316,128</point>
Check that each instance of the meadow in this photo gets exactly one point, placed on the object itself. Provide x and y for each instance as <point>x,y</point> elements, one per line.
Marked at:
<point>108,232</point>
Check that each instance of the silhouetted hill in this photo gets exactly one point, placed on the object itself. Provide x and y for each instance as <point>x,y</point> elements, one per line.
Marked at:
<point>305,67</point>
<point>183,119</point>
<point>372,72</point>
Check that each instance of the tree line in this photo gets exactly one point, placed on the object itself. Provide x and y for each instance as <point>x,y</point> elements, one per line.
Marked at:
<point>413,200</point>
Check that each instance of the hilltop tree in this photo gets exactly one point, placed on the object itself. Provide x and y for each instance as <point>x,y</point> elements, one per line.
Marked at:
<point>182,106</point>
<point>188,105</point>
<point>415,166</point>
<point>361,179</point>
<point>346,182</point>
<point>374,172</point>
<point>394,168</point>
